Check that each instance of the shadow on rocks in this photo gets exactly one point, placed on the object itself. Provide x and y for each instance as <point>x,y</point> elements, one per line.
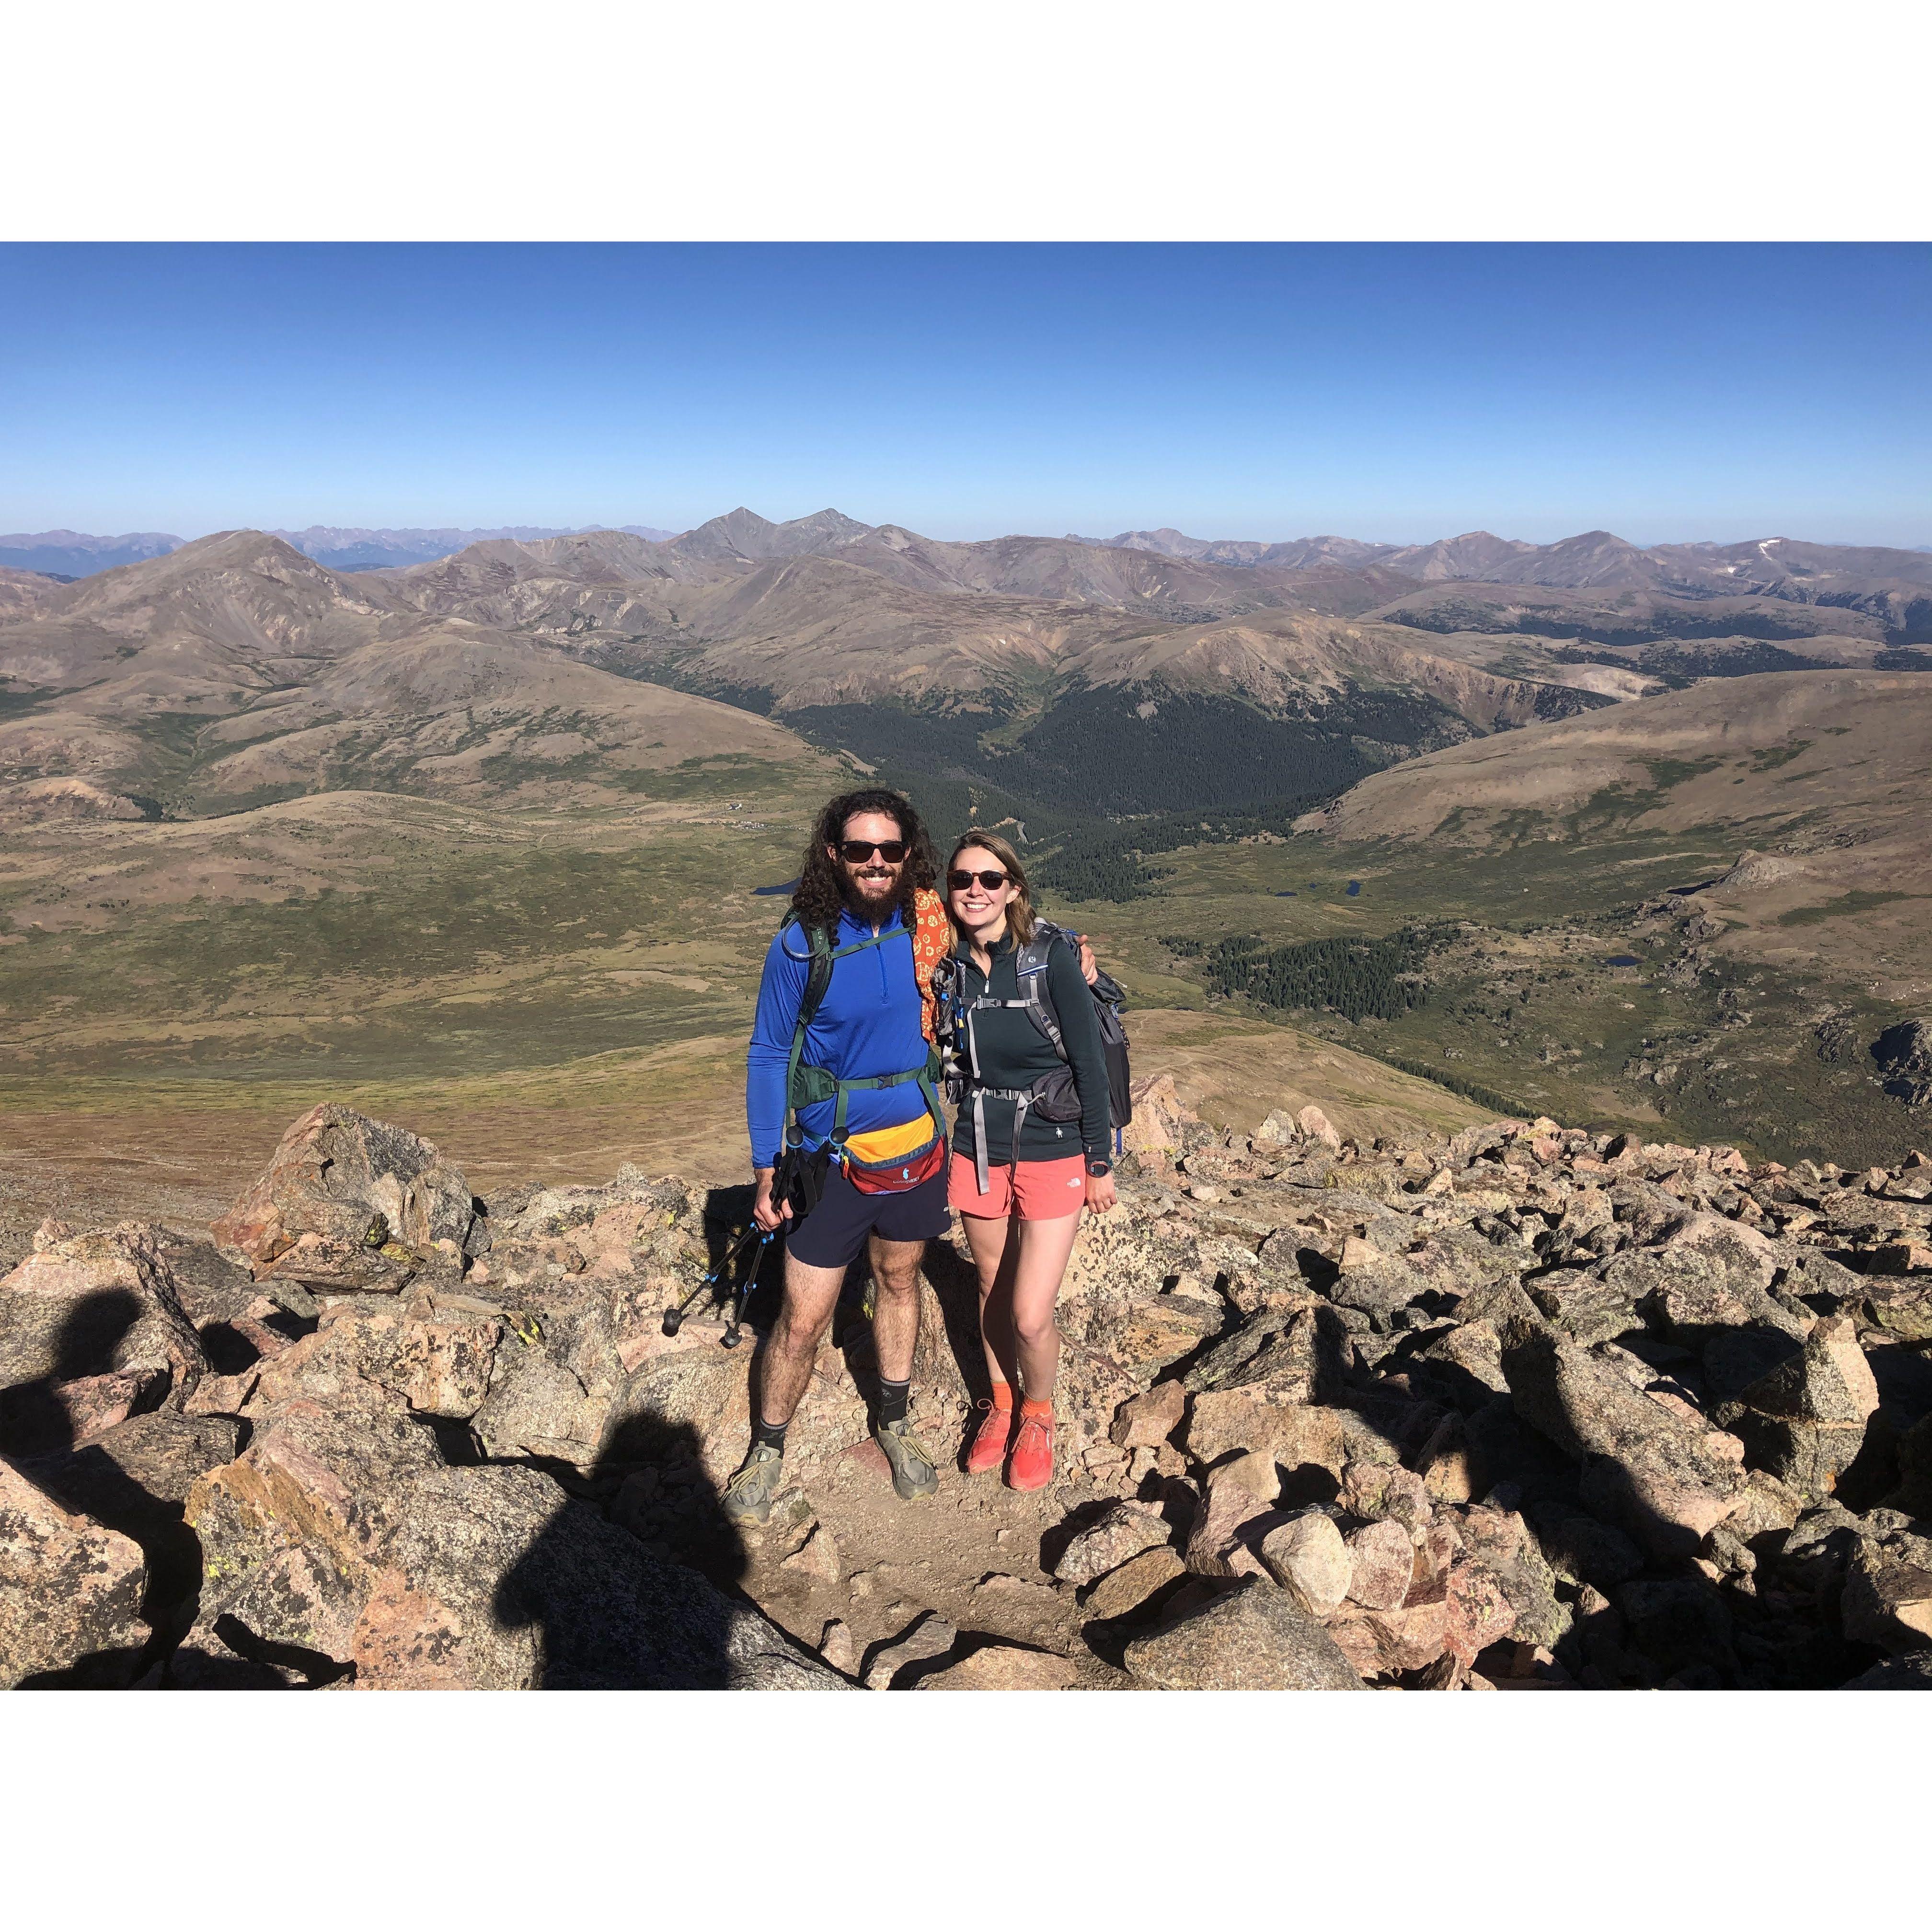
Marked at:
<point>98,1480</point>
<point>635,1581</point>
<point>264,1665</point>
<point>492,1577</point>
<point>727,1213</point>
<point>88,1482</point>
<point>632,1585</point>
<point>33,1420</point>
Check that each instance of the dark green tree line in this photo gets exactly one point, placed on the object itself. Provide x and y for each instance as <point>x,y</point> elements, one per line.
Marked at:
<point>1358,979</point>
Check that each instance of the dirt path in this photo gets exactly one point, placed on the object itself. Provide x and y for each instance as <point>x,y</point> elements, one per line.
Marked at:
<point>845,1550</point>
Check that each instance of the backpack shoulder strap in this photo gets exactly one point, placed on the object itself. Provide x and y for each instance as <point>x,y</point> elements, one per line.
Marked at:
<point>1030,969</point>
<point>818,978</point>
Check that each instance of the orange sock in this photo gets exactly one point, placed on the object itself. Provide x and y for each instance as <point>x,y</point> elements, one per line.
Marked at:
<point>1041,1410</point>
<point>1003,1395</point>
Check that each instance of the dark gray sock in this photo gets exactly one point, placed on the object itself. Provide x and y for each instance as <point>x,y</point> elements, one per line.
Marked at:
<point>769,1435</point>
<point>892,1399</point>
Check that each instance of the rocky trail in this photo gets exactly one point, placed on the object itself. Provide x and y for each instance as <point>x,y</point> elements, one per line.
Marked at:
<point>1528,1408</point>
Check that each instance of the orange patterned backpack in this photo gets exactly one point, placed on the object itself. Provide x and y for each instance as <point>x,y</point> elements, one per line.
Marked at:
<point>931,942</point>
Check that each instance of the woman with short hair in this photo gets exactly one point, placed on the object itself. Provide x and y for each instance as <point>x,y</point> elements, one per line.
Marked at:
<point>1028,1157</point>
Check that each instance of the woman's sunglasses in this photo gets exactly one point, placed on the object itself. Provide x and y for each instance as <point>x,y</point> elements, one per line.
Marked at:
<point>856,851</point>
<point>960,881</point>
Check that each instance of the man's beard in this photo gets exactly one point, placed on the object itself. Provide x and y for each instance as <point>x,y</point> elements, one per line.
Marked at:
<point>862,907</point>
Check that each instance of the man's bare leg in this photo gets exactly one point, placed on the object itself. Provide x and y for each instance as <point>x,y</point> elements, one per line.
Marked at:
<point>896,1305</point>
<point>896,1341</point>
<point>811,1294</point>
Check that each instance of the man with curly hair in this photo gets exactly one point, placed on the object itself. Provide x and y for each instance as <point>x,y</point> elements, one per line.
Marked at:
<point>854,1091</point>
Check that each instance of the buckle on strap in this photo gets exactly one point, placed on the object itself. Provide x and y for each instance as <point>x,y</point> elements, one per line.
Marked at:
<point>1022,1099</point>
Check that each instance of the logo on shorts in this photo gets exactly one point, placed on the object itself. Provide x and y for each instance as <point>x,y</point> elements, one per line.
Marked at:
<point>1073,1180</point>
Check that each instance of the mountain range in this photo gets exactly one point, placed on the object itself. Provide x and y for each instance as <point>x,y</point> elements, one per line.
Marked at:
<point>1596,560</point>
<point>1791,569</point>
<point>74,553</point>
<point>1803,570</point>
<point>377,550</point>
<point>71,554</point>
<point>1068,679</point>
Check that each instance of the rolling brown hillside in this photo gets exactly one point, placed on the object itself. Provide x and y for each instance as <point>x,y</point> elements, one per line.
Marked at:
<point>20,590</point>
<point>235,669</point>
<point>1821,778</point>
<point>1774,752</point>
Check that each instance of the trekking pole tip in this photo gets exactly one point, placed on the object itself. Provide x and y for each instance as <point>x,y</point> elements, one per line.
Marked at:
<point>674,1320</point>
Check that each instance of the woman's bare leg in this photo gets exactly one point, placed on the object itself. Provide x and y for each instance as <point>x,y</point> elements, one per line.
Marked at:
<point>994,1256</point>
<point>1044,1247</point>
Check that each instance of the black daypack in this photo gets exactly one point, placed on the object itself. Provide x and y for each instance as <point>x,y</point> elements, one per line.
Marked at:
<point>1057,1100</point>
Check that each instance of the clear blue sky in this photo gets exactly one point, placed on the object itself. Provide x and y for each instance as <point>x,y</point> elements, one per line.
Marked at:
<point>1398,393</point>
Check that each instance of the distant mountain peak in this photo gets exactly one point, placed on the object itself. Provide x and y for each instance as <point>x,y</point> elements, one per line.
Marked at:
<point>744,533</point>
<point>242,545</point>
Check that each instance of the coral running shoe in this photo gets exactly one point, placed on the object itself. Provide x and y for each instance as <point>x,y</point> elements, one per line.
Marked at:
<point>1032,1465</point>
<point>989,1444</point>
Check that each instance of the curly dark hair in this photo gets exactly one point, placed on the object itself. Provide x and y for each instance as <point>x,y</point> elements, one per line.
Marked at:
<point>820,895</point>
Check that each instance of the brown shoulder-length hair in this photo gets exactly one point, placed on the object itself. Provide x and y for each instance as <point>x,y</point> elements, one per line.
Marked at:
<point>818,898</point>
<point>1019,907</point>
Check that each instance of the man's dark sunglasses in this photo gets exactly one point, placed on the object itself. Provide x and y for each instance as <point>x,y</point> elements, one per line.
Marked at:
<point>959,881</point>
<point>856,851</point>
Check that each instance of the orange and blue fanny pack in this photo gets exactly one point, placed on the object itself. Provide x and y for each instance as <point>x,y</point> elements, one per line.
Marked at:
<point>892,1160</point>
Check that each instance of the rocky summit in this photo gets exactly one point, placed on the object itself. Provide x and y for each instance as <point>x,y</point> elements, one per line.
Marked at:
<point>1529,1408</point>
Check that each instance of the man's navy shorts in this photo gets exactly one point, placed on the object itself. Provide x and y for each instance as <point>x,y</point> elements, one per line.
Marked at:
<point>836,1230</point>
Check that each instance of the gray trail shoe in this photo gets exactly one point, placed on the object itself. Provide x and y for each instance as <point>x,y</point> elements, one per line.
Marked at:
<point>748,1495</point>
<point>913,1474</point>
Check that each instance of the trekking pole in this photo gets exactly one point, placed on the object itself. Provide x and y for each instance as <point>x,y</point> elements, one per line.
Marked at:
<point>673,1318</point>
<point>732,1337</point>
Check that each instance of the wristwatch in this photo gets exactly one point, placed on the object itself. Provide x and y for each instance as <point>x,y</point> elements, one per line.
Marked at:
<point>1099,1169</point>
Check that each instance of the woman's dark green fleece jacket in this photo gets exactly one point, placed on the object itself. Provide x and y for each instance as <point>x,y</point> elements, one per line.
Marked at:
<point>1014,1053</point>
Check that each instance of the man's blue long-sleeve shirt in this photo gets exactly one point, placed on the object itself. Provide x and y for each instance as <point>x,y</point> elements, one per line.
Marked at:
<point>867,1025</point>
